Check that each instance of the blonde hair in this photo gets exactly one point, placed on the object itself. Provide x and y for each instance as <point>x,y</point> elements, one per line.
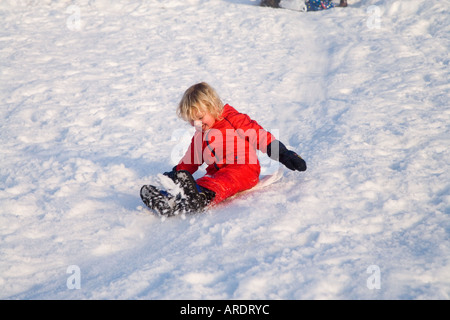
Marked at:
<point>199,99</point>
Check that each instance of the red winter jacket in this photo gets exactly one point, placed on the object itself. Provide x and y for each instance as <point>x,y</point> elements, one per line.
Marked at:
<point>229,149</point>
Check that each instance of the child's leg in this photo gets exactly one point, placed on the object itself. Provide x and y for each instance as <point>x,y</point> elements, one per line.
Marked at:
<point>230,180</point>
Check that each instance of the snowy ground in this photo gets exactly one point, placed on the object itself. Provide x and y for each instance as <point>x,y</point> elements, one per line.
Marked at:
<point>88,91</point>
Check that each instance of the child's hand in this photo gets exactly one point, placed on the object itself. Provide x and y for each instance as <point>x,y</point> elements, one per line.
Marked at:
<point>293,161</point>
<point>287,157</point>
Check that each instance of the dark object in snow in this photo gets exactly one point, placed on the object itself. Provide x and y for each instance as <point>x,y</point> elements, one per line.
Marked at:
<point>270,3</point>
<point>310,5</point>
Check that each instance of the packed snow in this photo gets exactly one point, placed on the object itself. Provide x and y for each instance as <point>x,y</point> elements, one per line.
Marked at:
<point>88,92</point>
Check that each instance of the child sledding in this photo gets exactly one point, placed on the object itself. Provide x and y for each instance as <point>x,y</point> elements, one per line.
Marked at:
<point>227,141</point>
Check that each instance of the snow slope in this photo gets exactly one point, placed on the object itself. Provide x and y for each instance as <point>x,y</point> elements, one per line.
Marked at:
<point>88,91</point>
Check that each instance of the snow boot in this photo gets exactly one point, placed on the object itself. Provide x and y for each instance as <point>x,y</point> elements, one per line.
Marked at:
<point>158,200</point>
<point>196,198</point>
<point>343,3</point>
<point>191,198</point>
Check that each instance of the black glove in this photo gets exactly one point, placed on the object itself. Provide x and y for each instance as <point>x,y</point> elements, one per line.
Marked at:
<point>171,174</point>
<point>287,157</point>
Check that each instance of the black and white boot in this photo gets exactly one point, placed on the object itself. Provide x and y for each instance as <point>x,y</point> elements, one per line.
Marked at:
<point>192,198</point>
<point>196,198</point>
<point>158,200</point>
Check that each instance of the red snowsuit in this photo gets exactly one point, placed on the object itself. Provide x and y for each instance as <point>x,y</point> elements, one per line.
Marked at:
<point>229,149</point>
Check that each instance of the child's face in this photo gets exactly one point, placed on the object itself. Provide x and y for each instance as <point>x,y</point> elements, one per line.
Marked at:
<point>203,122</point>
